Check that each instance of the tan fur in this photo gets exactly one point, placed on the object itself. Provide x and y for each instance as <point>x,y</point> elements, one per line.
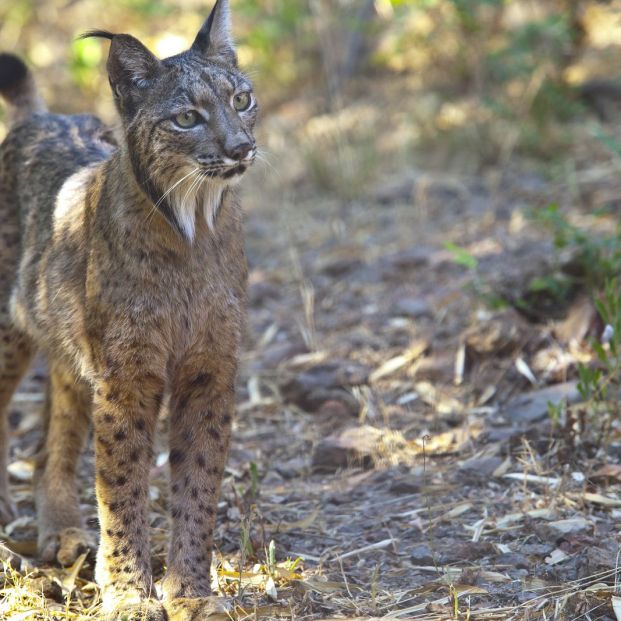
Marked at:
<point>127,310</point>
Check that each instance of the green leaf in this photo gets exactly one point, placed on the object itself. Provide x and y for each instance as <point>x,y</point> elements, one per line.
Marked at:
<point>461,256</point>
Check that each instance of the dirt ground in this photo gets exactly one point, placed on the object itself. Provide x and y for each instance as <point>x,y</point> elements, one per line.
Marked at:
<point>393,455</point>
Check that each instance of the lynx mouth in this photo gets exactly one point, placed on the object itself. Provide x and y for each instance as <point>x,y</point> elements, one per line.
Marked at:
<point>228,171</point>
<point>225,172</point>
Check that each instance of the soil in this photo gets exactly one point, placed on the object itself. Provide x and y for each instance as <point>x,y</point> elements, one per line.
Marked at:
<point>393,438</point>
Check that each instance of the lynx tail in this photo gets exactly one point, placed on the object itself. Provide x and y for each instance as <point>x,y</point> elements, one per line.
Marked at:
<point>17,87</point>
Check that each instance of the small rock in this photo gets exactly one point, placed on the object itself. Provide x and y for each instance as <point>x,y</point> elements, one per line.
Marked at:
<point>512,559</point>
<point>353,447</point>
<point>337,409</point>
<point>462,551</point>
<point>480,467</point>
<point>292,468</point>
<point>396,191</point>
<point>312,388</point>
<point>500,434</point>
<point>339,266</point>
<point>572,525</point>
<point>277,353</point>
<point>537,549</point>
<point>601,558</point>
<point>533,406</point>
<point>50,589</point>
<point>526,596</point>
<point>409,485</point>
<point>405,260</point>
<point>412,307</point>
<point>421,555</point>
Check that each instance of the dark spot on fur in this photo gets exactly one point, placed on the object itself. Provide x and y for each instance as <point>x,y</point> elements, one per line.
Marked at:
<point>201,379</point>
<point>175,457</point>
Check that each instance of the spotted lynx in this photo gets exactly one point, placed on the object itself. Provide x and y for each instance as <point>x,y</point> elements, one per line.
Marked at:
<point>122,260</point>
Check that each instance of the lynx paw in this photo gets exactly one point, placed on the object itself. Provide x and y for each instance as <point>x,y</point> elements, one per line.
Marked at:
<point>148,610</point>
<point>196,609</point>
<point>65,546</point>
<point>7,511</point>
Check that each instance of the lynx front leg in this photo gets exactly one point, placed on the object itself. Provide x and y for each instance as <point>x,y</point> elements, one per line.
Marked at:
<point>202,408</point>
<point>125,415</point>
<point>15,355</point>
<point>61,536</point>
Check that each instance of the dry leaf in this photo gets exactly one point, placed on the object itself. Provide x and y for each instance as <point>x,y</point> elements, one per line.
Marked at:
<point>599,499</point>
<point>21,470</point>
<point>72,572</point>
<point>270,589</point>
<point>612,471</point>
<point>533,478</point>
<point>394,364</point>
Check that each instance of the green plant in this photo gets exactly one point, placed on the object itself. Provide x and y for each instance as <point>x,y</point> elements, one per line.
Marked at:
<point>588,423</point>
<point>595,384</point>
<point>478,284</point>
<point>596,256</point>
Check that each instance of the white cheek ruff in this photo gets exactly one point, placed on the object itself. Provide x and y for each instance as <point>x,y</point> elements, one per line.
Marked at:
<point>197,194</point>
<point>212,199</point>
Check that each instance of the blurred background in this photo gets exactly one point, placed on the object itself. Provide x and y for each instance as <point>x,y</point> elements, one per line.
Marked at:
<point>451,84</point>
<point>433,234</point>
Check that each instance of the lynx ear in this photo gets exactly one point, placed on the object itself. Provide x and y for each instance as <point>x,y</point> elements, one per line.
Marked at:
<point>214,38</point>
<point>130,63</point>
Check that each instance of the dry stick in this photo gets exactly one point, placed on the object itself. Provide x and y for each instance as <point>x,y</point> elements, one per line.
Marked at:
<point>429,531</point>
<point>374,546</point>
<point>351,597</point>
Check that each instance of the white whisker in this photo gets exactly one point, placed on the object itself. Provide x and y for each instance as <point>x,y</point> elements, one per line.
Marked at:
<point>174,186</point>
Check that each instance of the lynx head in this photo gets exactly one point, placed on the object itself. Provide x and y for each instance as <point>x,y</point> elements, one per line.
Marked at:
<point>188,119</point>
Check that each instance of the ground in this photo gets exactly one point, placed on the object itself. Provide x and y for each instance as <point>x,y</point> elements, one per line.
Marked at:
<point>393,455</point>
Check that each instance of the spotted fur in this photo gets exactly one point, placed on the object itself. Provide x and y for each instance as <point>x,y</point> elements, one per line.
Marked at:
<point>122,260</point>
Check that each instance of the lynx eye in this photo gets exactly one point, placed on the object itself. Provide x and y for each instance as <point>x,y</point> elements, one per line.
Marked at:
<point>242,101</point>
<point>187,119</point>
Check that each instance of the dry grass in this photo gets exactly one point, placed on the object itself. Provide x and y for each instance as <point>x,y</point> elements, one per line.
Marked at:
<point>449,509</point>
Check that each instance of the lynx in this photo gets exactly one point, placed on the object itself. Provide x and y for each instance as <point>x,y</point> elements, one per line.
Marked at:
<point>122,261</point>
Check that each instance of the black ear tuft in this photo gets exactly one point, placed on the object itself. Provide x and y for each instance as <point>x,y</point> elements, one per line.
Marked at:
<point>12,71</point>
<point>102,34</point>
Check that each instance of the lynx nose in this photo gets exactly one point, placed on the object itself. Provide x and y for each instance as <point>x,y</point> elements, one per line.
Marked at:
<point>238,151</point>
